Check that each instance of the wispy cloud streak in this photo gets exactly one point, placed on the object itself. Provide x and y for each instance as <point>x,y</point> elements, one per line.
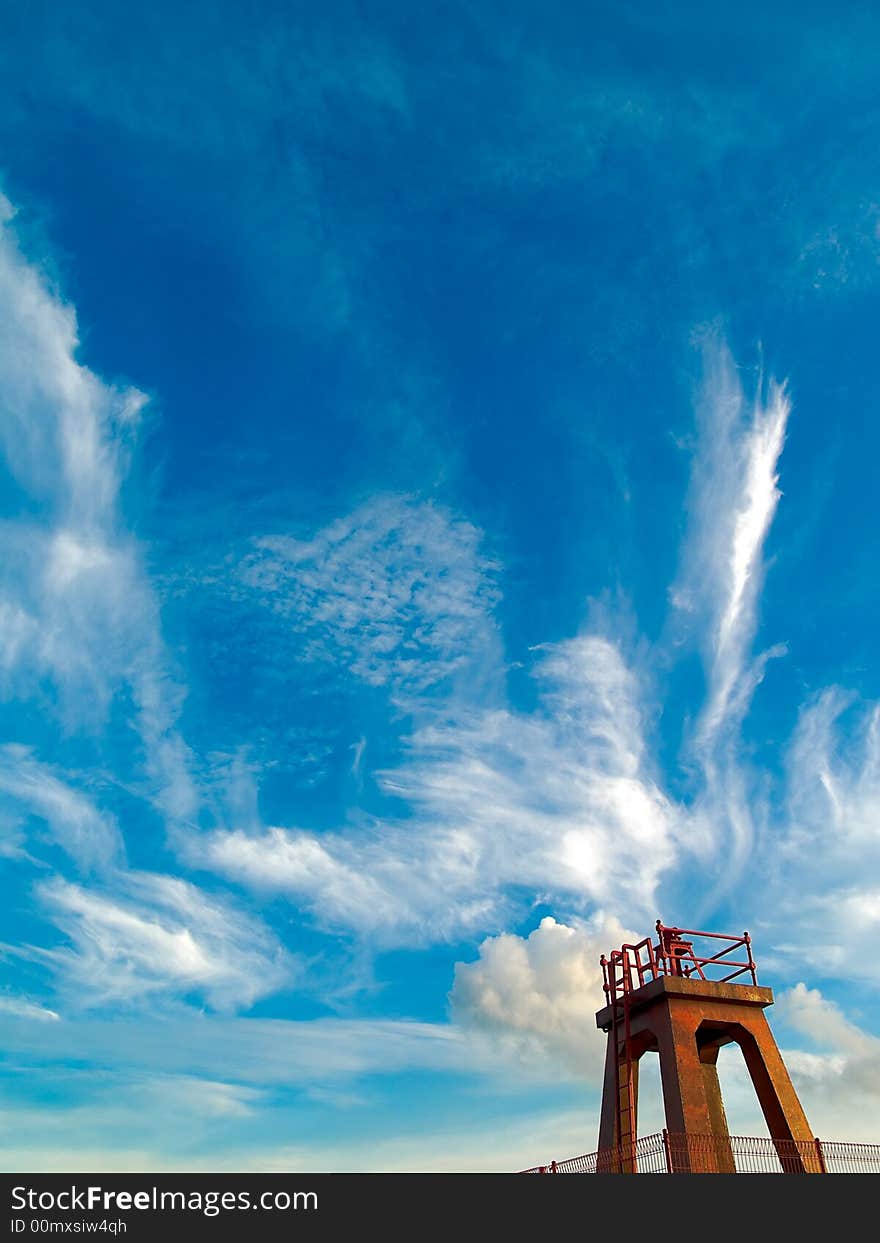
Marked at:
<point>559,803</point>
<point>732,501</point>
<point>77,611</point>
<point>157,937</point>
<point>88,835</point>
<point>821,869</point>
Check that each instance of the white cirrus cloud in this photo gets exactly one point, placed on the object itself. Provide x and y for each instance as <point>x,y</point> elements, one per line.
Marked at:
<point>258,1052</point>
<point>20,1007</point>
<point>398,591</point>
<point>559,803</point>
<point>191,1096</point>
<point>30,788</point>
<point>820,896</point>
<point>156,937</point>
<point>733,498</point>
<point>834,772</point>
<point>77,610</point>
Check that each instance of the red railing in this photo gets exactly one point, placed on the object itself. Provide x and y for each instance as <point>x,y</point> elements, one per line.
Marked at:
<point>679,952</point>
<point>663,1153</point>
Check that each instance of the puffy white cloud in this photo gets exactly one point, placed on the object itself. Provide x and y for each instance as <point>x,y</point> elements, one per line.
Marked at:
<point>839,1086</point>
<point>538,995</point>
<point>809,1012</point>
<point>157,937</point>
<point>535,998</point>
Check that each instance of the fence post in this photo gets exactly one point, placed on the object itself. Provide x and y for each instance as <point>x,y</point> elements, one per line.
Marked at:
<point>823,1169</point>
<point>667,1151</point>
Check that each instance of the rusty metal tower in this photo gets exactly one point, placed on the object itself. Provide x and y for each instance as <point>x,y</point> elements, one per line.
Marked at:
<point>678,998</point>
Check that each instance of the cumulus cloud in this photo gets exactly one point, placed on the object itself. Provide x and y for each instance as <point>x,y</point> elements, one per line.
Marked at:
<point>538,995</point>
<point>560,803</point>
<point>398,591</point>
<point>840,1084</point>
<point>157,937</point>
<point>535,997</point>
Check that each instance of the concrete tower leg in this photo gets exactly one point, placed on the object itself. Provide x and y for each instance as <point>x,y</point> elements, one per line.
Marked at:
<point>616,1149</point>
<point>690,1109</point>
<point>786,1120</point>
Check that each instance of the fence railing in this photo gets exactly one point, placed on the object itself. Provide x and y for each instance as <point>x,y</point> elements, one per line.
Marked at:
<point>663,1153</point>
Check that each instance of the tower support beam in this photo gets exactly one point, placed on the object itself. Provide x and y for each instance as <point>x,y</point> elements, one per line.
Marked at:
<point>687,1021</point>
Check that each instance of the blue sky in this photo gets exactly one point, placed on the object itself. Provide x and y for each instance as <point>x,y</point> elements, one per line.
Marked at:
<point>438,493</point>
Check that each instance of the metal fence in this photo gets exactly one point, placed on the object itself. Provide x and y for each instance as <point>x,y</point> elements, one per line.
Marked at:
<point>663,1153</point>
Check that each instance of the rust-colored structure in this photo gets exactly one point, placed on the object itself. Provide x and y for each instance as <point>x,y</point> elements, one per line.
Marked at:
<point>679,999</point>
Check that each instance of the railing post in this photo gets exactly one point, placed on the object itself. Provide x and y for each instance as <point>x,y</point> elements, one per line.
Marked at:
<point>823,1168</point>
<point>748,944</point>
<point>667,1152</point>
